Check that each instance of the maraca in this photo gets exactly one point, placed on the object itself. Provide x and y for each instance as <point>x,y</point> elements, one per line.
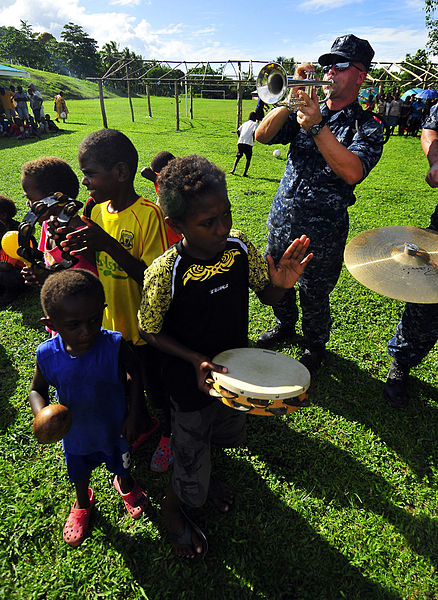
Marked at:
<point>52,423</point>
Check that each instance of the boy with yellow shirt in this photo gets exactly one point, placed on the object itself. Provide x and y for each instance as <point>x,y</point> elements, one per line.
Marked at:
<point>127,232</point>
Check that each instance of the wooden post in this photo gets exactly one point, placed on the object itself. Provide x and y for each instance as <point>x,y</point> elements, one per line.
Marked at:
<point>149,100</point>
<point>176,104</point>
<point>129,95</point>
<point>191,102</point>
<point>239,97</point>
<point>102,105</point>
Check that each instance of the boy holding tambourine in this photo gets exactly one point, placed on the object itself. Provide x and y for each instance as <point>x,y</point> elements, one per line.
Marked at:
<point>195,305</point>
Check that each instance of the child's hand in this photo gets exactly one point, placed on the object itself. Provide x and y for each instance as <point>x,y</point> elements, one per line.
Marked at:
<point>131,427</point>
<point>203,370</point>
<point>91,237</point>
<point>33,278</point>
<point>148,173</point>
<point>291,265</point>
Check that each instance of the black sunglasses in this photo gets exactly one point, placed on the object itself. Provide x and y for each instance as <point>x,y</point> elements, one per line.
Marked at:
<point>340,66</point>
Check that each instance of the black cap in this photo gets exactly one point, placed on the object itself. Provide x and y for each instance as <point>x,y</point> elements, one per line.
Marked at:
<point>351,48</point>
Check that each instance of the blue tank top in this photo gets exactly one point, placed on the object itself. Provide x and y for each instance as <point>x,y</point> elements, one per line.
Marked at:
<point>91,387</point>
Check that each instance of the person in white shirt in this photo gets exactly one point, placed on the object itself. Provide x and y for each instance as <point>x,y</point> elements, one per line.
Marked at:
<point>245,142</point>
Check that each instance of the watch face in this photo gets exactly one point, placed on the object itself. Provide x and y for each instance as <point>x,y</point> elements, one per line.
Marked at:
<point>315,129</point>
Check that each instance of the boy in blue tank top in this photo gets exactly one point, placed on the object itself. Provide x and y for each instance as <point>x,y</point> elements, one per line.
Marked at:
<point>95,375</point>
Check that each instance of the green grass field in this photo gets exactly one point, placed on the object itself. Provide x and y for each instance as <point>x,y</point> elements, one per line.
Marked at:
<point>337,501</point>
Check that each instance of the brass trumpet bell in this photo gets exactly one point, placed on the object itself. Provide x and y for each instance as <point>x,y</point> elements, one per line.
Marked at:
<point>273,84</point>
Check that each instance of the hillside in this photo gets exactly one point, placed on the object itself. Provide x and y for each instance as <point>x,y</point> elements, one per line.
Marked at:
<point>50,84</point>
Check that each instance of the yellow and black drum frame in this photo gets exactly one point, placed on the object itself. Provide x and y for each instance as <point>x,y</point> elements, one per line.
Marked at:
<point>247,390</point>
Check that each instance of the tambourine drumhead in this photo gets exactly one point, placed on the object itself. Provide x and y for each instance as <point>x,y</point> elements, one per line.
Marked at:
<point>263,374</point>
<point>260,381</point>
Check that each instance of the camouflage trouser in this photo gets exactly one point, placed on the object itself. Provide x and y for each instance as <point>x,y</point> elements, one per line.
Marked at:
<point>192,435</point>
<point>416,334</point>
<point>317,281</point>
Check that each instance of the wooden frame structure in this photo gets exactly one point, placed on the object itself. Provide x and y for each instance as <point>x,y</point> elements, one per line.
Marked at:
<point>235,73</point>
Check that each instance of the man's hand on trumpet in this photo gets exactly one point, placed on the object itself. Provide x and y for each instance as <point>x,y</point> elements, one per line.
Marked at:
<point>309,113</point>
<point>303,71</point>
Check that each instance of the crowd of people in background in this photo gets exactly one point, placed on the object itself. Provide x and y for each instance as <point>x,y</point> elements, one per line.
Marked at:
<point>16,121</point>
<point>407,114</point>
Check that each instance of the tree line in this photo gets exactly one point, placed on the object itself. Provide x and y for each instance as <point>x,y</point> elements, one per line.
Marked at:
<point>76,54</point>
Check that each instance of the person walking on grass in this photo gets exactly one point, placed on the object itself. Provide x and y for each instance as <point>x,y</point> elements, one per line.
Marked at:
<point>60,107</point>
<point>245,143</point>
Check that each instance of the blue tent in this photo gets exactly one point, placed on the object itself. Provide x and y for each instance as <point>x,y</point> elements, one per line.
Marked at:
<point>6,71</point>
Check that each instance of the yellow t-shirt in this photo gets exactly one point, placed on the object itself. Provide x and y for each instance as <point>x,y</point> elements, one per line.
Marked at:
<point>141,230</point>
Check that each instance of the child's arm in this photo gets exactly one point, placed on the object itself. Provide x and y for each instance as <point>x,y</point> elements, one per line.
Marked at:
<point>39,392</point>
<point>287,271</point>
<point>200,363</point>
<point>93,237</point>
<point>131,374</point>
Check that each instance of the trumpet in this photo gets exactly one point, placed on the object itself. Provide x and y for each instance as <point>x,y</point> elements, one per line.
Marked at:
<point>273,84</point>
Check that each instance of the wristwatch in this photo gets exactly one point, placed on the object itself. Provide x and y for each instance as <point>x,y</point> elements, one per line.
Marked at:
<point>315,129</point>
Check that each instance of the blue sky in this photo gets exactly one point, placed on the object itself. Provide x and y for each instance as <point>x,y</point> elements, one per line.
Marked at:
<point>229,29</point>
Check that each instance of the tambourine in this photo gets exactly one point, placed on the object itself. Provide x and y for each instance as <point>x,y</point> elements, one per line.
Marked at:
<point>65,209</point>
<point>260,382</point>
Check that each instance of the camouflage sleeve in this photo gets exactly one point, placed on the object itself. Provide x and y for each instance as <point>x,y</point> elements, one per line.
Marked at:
<point>258,275</point>
<point>157,292</point>
<point>367,144</point>
<point>288,132</point>
<point>431,122</point>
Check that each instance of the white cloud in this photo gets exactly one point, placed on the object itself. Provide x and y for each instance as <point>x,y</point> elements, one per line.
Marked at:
<point>322,5</point>
<point>127,2</point>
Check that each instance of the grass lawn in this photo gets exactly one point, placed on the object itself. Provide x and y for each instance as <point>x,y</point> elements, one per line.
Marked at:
<point>336,501</point>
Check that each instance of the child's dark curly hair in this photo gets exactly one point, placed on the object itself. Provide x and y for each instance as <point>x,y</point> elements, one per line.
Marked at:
<point>68,283</point>
<point>184,181</point>
<point>160,160</point>
<point>7,207</point>
<point>52,174</point>
<point>107,147</point>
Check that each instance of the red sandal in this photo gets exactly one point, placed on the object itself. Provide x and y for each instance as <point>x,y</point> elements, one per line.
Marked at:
<point>135,501</point>
<point>76,526</point>
<point>162,458</point>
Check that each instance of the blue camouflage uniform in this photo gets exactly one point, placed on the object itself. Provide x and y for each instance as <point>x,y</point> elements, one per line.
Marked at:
<point>417,331</point>
<point>312,199</point>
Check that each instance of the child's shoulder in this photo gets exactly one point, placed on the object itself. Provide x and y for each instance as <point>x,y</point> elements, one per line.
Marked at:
<point>165,261</point>
<point>239,236</point>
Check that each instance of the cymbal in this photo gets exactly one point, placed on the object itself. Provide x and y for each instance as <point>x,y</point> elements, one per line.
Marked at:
<point>398,262</point>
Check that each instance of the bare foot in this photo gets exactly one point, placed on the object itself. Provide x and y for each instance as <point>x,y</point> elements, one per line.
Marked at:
<point>185,538</point>
<point>221,495</point>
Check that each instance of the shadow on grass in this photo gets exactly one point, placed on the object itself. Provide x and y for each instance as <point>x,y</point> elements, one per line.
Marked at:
<point>273,554</point>
<point>13,142</point>
<point>8,383</point>
<point>29,305</point>
<point>335,476</point>
<point>411,433</point>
